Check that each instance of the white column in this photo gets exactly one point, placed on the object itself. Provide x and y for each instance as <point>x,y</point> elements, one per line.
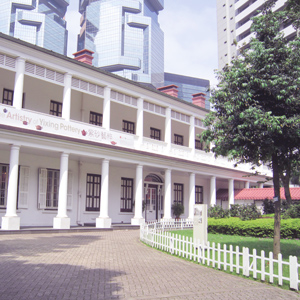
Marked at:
<point>61,221</point>
<point>103,221</point>
<point>230,192</point>
<point>140,120</point>
<point>213,194</point>
<point>106,109</point>
<point>261,185</point>
<point>247,185</point>
<point>11,221</point>
<point>192,134</point>
<point>192,195</point>
<point>138,208</point>
<point>168,195</point>
<point>66,108</point>
<point>19,83</point>
<point>168,128</point>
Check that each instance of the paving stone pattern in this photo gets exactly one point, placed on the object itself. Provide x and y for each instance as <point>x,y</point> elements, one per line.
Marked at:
<point>112,265</point>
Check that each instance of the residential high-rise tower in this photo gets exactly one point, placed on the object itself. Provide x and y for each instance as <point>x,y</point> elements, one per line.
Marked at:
<point>40,22</point>
<point>234,22</point>
<point>125,37</point>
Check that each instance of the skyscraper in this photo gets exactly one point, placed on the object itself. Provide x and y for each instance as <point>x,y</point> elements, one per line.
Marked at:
<point>234,22</point>
<point>125,37</point>
<point>40,22</point>
<point>188,86</point>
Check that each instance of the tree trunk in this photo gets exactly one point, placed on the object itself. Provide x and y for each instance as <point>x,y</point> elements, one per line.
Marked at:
<point>276,175</point>
<point>286,184</point>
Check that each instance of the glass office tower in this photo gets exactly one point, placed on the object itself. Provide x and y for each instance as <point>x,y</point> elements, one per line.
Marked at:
<point>187,86</point>
<point>40,22</point>
<point>125,37</point>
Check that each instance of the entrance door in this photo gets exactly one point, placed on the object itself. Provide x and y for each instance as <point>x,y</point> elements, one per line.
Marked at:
<point>154,208</point>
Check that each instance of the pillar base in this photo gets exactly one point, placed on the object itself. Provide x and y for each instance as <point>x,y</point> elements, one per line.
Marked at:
<point>103,223</point>
<point>137,221</point>
<point>10,223</point>
<point>61,223</point>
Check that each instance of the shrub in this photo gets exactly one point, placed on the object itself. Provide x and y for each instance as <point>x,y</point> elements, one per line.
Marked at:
<point>268,207</point>
<point>217,212</point>
<point>292,212</point>
<point>249,212</point>
<point>290,229</point>
<point>235,210</point>
<point>177,209</point>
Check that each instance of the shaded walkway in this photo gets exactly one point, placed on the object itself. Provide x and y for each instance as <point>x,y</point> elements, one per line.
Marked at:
<point>111,265</point>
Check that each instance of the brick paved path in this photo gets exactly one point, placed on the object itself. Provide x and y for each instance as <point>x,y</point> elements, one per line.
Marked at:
<point>112,265</point>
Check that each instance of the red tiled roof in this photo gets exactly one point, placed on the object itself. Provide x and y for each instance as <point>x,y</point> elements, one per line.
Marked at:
<point>257,194</point>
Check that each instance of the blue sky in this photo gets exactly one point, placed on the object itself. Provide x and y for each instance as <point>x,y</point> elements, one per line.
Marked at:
<point>190,30</point>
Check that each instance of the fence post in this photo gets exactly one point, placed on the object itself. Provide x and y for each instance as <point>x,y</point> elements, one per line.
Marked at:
<point>219,256</point>
<point>262,263</point>
<point>225,257</point>
<point>293,272</point>
<point>231,258</point>
<point>271,267</point>
<point>246,261</point>
<point>237,259</point>
<point>172,244</point>
<point>280,269</point>
<point>254,263</point>
<point>208,253</point>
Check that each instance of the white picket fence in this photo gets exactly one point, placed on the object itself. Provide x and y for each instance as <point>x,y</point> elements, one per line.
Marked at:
<point>226,258</point>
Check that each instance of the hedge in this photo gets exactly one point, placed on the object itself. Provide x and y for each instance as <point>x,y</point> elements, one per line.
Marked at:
<point>290,228</point>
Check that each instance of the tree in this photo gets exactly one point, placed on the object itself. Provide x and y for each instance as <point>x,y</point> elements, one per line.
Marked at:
<point>256,117</point>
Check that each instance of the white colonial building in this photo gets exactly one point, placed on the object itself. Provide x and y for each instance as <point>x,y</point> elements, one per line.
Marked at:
<point>82,146</point>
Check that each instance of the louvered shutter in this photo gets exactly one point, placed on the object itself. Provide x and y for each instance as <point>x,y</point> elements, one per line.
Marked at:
<point>42,188</point>
<point>23,187</point>
<point>70,190</point>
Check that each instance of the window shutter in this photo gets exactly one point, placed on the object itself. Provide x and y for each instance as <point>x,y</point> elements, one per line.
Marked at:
<point>42,188</point>
<point>70,190</point>
<point>23,187</point>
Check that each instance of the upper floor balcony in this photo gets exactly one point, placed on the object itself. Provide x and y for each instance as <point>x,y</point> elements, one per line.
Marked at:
<point>75,106</point>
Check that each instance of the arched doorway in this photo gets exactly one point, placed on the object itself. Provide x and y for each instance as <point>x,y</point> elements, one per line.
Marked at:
<point>153,195</point>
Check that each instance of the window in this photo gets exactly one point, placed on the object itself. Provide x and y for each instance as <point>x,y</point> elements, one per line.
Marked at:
<point>126,194</point>
<point>48,189</point>
<point>128,126</point>
<point>155,133</point>
<point>95,118</point>
<point>3,184</point>
<point>8,96</point>
<point>198,145</point>
<point>198,194</point>
<point>52,188</point>
<point>178,193</point>
<point>93,192</point>
<point>55,108</point>
<point>178,139</point>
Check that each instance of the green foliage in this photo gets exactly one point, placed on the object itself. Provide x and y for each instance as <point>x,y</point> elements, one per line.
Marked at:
<point>268,206</point>
<point>249,212</point>
<point>256,115</point>
<point>290,228</point>
<point>235,210</point>
<point>217,212</point>
<point>245,212</point>
<point>293,211</point>
<point>177,209</point>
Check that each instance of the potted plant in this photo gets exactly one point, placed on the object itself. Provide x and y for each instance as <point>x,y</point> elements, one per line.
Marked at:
<point>177,210</point>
